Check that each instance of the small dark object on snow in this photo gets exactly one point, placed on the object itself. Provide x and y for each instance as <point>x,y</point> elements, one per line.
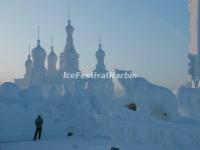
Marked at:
<point>132,106</point>
<point>114,148</point>
<point>165,114</point>
<point>70,134</point>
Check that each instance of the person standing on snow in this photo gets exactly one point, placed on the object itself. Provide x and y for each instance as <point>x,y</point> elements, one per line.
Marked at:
<point>38,125</point>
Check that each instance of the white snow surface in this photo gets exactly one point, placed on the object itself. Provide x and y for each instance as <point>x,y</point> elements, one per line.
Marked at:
<point>97,123</point>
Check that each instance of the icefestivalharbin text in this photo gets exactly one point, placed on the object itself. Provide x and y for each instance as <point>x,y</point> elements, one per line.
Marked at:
<point>94,75</point>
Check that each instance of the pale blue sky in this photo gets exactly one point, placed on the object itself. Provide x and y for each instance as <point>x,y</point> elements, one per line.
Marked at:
<point>150,37</point>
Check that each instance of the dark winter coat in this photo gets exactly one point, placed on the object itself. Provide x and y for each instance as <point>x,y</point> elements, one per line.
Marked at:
<point>39,122</point>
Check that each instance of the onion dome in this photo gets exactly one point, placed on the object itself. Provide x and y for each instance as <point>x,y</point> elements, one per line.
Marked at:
<point>69,28</point>
<point>28,62</point>
<point>100,53</point>
<point>52,56</point>
<point>38,53</point>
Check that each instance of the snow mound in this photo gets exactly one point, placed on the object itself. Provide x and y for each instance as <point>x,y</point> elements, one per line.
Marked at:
<point>158,101</point>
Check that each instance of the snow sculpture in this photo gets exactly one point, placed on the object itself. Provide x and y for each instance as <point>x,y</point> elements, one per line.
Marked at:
<point>52,59</point>
<point>38,71</point>
<point>28,67</point>
<point>101,87</point>
<point>69,58</point>
<point>159,101</point>
<point>53,76</point>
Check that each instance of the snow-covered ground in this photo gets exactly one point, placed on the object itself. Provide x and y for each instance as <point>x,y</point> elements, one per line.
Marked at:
<point>75,144</point>
<point>96,123</point>
<point>59,144</point>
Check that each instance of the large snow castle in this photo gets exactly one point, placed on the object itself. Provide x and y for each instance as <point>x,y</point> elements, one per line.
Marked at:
<point>50,80</point>
<point>146,116</point>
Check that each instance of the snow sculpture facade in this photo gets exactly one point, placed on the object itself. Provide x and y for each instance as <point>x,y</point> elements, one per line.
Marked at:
<point>52,78</point>
<point>23,83</point>
<point>38,71</point>
<point>155,100</point>
<point>69,59</point>
<point>28,66</point>
<point>98,86</point>
<point>37,75</point>
<point>52,60</point>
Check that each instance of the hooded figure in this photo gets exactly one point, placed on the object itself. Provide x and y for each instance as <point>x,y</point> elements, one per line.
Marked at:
<point>38,125</point>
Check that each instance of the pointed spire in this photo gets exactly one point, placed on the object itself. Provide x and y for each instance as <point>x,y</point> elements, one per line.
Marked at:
<point>29,49</point>
<point>52,41</point>
<point>52,44</point>
<point>68,12</point>
<point>99,41</point>
<point>38,32</point>
<point>29,52</point>
<point>38,41</point>
<point>69,21</point>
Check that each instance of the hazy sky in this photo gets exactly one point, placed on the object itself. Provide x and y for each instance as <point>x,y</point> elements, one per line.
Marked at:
<point>150,37</point>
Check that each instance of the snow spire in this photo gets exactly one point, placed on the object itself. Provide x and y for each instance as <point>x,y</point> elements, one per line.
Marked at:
<point>69,62</point>
<point>101,87</point>
<point>38,70</point>
<point>52,60</point>
<point>38,30</point>
<point>52,53</point>
<point>28,66</point>
<point>51,44</point>
<point>100,55</point>
<point>70,55</point>
<point>69,30</point>
<point>99,41</point>
<point>68,13</point>
<point>29,51</point>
